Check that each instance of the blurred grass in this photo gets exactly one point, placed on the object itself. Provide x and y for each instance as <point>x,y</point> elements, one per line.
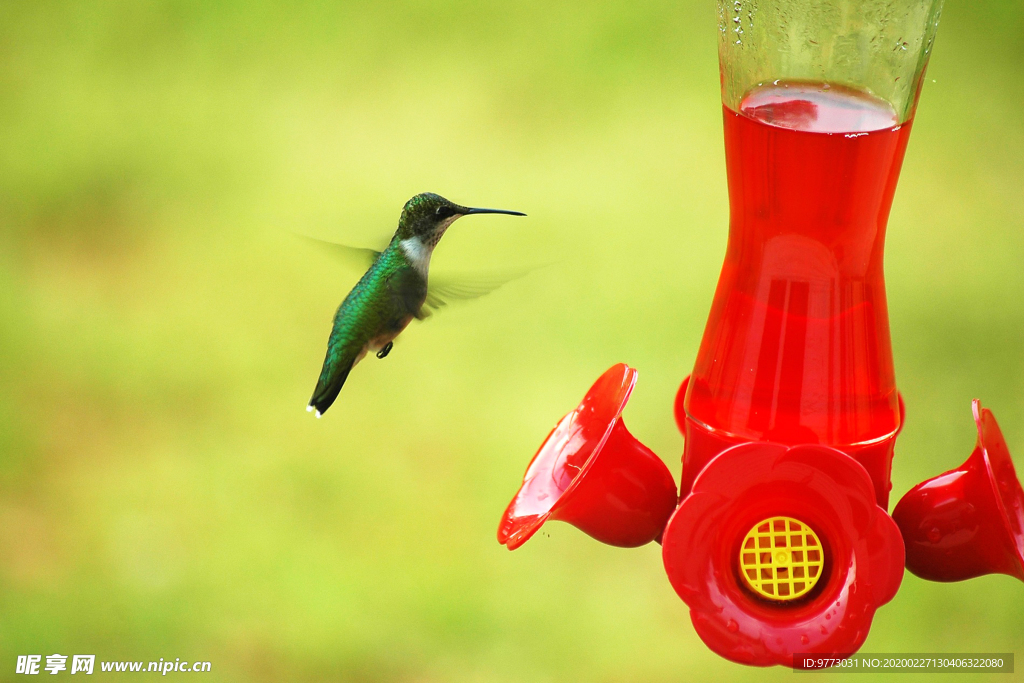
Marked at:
<point>164,494</point>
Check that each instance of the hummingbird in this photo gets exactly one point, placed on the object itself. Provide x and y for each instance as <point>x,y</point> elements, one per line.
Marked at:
<point>392,292</point>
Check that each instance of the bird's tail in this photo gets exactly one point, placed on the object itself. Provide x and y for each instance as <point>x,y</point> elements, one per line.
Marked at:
<point>328,386</point>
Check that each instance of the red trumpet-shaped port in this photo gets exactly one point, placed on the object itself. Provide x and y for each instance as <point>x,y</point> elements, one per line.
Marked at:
<point>592,473</point>
<point>781,550</point>
<point>970,520</point>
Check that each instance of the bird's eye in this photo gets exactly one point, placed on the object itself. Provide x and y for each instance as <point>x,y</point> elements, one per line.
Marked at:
<point>440,211</point>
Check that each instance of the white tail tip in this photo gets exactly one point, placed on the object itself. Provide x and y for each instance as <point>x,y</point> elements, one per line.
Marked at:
<point>309,408</point>
<point>318,414</point>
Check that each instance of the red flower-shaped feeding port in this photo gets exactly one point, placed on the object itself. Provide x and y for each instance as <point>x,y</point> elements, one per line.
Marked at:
<point>782,550</point>
<point>592,473</point>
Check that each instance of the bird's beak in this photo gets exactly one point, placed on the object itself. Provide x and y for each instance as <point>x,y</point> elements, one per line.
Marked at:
<point>510,213</point>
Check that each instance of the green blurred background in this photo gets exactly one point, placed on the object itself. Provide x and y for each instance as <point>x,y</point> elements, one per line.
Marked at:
<point>163,492</point>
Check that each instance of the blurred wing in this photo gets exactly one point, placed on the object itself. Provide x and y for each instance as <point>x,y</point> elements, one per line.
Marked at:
<point>355,257</point>
<point>445,288</point>
<point>408,290</point>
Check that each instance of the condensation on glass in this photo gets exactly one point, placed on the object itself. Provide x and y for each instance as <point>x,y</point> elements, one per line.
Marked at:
<point>879,47</point>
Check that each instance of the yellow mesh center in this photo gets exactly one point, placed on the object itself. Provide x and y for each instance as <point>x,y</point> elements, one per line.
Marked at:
<point>781,558</point>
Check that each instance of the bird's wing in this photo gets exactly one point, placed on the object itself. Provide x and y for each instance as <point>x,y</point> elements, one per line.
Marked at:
<point>445,288</point>
<point>356,257</point>
<point>408,290</point>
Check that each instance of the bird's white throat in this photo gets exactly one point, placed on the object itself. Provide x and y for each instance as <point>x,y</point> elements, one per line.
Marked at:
<point>418,254</point>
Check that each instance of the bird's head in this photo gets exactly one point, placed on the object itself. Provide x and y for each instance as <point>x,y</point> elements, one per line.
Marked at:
<point>426,216</point>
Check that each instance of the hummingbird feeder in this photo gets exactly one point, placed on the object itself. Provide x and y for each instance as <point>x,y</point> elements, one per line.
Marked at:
<point>780,542</point>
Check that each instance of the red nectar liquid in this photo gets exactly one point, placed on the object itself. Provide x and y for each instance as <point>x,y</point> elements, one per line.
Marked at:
<point>797,347</point>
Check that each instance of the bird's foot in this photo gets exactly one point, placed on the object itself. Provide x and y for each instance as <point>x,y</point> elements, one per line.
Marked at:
<point>385,350</point>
